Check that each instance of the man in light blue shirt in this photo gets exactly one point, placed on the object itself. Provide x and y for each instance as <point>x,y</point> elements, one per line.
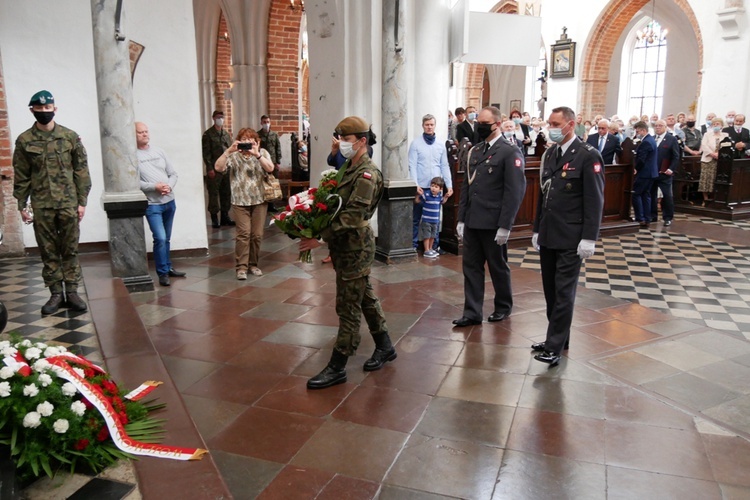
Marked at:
<point>427,159</point>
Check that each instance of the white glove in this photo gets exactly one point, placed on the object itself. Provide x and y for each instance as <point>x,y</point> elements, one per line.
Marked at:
<point>501,237</point>
<point>460,230</point>
<point>535,241</point>
<point>586,248</point>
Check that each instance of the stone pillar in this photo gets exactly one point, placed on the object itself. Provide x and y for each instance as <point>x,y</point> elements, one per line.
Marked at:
<point>395,210</point>
<point>123,200</point>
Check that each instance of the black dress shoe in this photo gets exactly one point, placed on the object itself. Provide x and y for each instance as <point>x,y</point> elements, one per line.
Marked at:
<point>496,316</point>
<point>464,321</point>
<point>667,222</point>
<point>331,375</point>
<point>548,357</point>
<point>164,279</point>
<point>176,274</point>
<point>539,346</point>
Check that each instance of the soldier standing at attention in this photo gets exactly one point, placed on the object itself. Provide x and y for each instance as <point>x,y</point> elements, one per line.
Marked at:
<point>215,141</point>
<point>352,245</point>
<point>566,226</point>
<point>51,166</point>
<point>269,140</point>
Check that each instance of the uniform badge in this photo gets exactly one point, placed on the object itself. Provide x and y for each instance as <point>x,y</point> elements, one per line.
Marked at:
<point>489,170</point>
<point>518,162</point>
<point>564,175</point>
<point>565,167</point>
<point>568,186</point>
<point>367,175</point>
<point>597,168</point>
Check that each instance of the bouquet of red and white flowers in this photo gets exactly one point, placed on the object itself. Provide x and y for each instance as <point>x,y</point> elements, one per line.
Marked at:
<point>59,410</point>
<point>311,211</point>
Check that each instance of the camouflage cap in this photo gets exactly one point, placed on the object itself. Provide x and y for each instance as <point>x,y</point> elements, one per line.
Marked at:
<point>41,98</point>
<point>352,125</point>
<point>218,112</point>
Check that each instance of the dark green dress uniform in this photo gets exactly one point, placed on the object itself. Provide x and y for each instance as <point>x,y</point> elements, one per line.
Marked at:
<point>569,209</point>
<point>214,143</point>
<point>270,142</point>
<point>52,169</point>
<point>352,244</point>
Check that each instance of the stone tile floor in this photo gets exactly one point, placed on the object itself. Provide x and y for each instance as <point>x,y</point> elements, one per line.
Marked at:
<point>648,403</point>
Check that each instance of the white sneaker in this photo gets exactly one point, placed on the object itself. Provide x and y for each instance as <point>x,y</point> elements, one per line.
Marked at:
<point>241,275</point>
<point>431,254</point>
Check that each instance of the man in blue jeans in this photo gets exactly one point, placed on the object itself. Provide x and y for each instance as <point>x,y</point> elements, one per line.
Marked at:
<point>158,178</point>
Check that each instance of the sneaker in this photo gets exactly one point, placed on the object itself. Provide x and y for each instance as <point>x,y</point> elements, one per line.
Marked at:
<point>256,272</point>
<point>241,275</point>
<point>431,254</point>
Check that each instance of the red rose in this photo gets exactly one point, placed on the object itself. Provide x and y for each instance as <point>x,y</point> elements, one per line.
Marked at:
<point>102,434</point>
<point>123,418</point>
<point>322,207</point>
<point>81,444</point>
<point>282,216</point>
<point>89,373</point>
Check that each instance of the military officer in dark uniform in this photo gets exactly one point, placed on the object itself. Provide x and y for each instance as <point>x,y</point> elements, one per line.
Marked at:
<point>214,142</point>
<point>493,189</point>
<point>50,166</point>
<point>566,226</point>
<point>352,245</point>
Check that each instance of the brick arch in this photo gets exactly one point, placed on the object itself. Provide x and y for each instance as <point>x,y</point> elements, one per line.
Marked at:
<point>223,73</point>
<point>475,72</point>
<point>601,45</point>
<point>283,66</point>
<point>10,219</point>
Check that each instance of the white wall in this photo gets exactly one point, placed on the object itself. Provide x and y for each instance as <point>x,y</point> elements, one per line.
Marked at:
<point>47,44</point>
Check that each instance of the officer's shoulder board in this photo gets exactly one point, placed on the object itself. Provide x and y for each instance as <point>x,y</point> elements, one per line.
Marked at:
<point>588,146</point>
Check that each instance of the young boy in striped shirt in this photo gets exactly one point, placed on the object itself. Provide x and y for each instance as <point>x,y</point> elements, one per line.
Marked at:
<point>429,226</point>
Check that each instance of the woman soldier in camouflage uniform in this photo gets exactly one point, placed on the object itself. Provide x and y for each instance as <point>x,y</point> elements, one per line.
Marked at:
<point>352,244</point>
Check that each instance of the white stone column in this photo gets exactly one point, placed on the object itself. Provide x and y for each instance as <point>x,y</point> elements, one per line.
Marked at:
<point>123,200</point>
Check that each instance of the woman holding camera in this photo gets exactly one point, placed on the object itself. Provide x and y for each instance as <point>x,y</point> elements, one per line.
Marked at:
<point>248,165</point>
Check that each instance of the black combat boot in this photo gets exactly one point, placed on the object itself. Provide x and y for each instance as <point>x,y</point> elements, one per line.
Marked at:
<point>384,352</point>
<point>75,302</point>
<point>225,220</point>
<point>334,373</point>
<point>215,221</point>
<point>53,304</point>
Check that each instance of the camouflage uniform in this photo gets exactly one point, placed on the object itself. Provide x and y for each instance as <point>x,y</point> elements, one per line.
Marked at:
<point>52,168</point>
<point>270,142</point>
<point>219,192</point>
<point>352,245</point>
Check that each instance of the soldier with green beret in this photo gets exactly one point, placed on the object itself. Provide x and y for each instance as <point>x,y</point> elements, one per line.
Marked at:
<point>352,244</point>
<point>51,168</point>
<point>215,141</point>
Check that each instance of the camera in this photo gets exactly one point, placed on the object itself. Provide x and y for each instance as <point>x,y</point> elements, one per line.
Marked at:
<point>244,146</point>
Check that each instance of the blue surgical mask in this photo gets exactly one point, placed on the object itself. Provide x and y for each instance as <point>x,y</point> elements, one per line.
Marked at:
<point>472,116</point>
<point>303,149</point>
<point>556,135</point>
<point>509,134</point>
<point>717,129</point>
<point>516,120</point>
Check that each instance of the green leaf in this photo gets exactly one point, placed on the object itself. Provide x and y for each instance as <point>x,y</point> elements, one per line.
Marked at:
<point>13,438</point>
<point>59,457</point>
<point>45,465</point>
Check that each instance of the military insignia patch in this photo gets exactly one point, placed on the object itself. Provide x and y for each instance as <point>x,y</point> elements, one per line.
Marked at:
<point>597,168</point>
<point>518,162</point>
<point>367,175</point>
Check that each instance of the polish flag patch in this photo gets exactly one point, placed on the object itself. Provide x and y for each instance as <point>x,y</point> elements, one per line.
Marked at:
<point>367,175</point>
<point>597,168</point>
<point>518,162</point>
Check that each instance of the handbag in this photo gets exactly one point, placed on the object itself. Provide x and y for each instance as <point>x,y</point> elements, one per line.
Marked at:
<point>271,188</point>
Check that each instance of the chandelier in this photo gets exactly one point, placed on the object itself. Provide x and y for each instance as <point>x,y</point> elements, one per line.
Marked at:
<point>653,32</point>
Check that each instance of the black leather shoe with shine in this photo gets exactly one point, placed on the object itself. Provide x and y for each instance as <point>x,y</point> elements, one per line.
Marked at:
<point>176,274</point>
<point>328,377</point>
<point>164,279</point>
<point>464,321</point>
<point>548,357</point>
<point>539,346</point>
<point>496,316</point>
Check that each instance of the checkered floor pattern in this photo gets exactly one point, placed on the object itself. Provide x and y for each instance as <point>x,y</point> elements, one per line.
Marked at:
<point>689,277</point>
<point>744,225</point>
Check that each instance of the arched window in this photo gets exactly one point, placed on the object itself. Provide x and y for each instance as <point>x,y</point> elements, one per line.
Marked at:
<point>648,62</point>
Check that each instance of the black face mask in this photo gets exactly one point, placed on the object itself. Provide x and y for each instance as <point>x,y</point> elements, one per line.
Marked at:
<point>44,117</point>
<point>484,130</point>
<point>690,124</point>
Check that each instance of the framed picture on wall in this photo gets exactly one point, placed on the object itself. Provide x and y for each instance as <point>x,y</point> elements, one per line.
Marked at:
<point>563,57</point>
<point>514,104</point>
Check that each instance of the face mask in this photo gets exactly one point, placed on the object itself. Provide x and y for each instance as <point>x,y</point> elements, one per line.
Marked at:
<point>219,122</point>
<point>730,120</point>
<point>472,116</point>
<point>509,134</point>
<point>346,149</point>
<point>44,117</point>
<point>303,149</point>
<point>717,129</point>
<point>516,120</point>
<point>484,130</point>
<point>690,124</point>
<point>632,122</point>
<point>266,126</point>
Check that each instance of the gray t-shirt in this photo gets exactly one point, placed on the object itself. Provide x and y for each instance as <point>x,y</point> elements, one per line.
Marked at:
<point>153,168</point>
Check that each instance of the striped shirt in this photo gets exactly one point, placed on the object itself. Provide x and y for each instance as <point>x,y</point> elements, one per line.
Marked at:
<point>431,208</point>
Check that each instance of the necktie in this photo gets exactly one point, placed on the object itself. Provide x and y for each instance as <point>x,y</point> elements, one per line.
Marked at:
<point>658,141</point>
<point>559,153</point>
<point>601,143</point>
<point>486,146</point>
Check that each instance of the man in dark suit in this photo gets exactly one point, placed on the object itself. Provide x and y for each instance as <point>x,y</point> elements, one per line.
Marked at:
<point>468,128</point>
<point>740,136</point>
<point>566,226</point>
<point>607,144</point>
<point>646,170</point>
<point>668,160</point>
<point>494,186</point>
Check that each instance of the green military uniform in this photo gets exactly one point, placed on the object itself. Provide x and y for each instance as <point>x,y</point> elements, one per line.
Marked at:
<point>215,142</point>
<point>352,245</point>
<point>270,142</point>
<point>52,168</point>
